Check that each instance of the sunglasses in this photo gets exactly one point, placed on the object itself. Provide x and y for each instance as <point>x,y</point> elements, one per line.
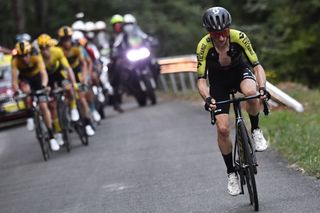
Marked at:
<point>65,38</point>
<point>23,55</point>
<point>44,47</point>
<point>218,34</point>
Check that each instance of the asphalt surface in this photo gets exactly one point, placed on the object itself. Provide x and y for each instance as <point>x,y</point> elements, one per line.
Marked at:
<point>154,159</point>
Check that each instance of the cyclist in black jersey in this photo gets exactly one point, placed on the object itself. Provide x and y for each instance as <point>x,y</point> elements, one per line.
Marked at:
<point>219,55</point>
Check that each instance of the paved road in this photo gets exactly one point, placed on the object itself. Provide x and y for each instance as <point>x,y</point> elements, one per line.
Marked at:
<point>153,159</point>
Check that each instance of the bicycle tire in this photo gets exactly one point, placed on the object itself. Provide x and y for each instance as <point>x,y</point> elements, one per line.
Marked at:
<point>40,134</point>
<point>79,127</point>
<point>249,170</point>
<point>64,123</point>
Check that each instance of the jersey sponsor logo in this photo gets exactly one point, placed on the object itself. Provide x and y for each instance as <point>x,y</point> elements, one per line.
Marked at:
<point>241,35</point>
<point>247,44</point>
<point>200,55</point>
<point>199,64</point>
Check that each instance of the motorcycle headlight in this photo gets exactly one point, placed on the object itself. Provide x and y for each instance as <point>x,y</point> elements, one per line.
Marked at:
<point>138,54</point>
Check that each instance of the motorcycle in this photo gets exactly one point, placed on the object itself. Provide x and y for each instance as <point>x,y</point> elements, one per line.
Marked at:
<point>138,76</point>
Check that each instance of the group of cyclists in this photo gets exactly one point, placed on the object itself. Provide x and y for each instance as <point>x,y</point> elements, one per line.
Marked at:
<point>73,62</point>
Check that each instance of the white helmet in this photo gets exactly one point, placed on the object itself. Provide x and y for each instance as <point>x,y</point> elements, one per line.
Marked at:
<point>129,19</point>
<point>78,25</point>
<point>89,26</point>
<point>100,25</point>
<point>76,35</point>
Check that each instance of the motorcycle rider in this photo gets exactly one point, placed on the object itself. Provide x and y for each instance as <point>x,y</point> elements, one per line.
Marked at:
<point>130,25</point>
<point>117,45</point>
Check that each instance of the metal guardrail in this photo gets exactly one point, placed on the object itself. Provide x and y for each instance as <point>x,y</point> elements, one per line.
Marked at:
<point>178,73</point>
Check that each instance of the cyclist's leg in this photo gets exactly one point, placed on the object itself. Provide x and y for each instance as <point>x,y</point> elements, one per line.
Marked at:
<point>55,80</point>
<point>220,92</point>
<point>25,88</point>
<point>248,87</point>
<point>91,99</point>
<point>223,130</point>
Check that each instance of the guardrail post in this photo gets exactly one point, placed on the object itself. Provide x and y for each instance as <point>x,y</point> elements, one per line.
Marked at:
<point>192,81</point>
<point>182,82</point>
<point>173,83</point>
<point>164,83</point>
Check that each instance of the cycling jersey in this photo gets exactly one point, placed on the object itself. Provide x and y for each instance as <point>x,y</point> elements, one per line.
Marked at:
<point>28,70</point>
<point>57,60</point>
<point>74,56</point>
<point>208,58</point>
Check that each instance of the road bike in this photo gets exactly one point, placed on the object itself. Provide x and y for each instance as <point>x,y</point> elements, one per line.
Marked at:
<point>244,157</point>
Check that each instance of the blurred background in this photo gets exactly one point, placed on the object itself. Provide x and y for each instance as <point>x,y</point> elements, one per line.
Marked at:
<point>284,33</point>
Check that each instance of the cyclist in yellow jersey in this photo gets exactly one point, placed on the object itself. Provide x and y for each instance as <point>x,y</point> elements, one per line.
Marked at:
<point>219,55</point>
<point>92,75</point>
<point>28,73</point>
<point>76,60</point>
<point>60,74</point>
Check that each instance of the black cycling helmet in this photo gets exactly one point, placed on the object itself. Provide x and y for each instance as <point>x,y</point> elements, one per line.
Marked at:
<point>216,19</point>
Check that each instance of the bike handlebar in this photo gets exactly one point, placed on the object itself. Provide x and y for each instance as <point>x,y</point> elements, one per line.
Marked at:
<point>266,109</point>
<point>39,92</point>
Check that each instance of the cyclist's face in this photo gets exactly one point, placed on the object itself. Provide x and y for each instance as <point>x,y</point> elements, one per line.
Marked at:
<point>66,43</point>
<point>45,51</point>
<point>220,38</point>
<point>25,58</point>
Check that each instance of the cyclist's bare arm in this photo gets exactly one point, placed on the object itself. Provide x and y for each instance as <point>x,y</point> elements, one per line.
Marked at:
<point>71,75</point>
<point>203,88</point>
<point>44,76</point>
<point>260,75</point>
<point>14,78</point>
<point>84,70</point>
<point>204,92</point>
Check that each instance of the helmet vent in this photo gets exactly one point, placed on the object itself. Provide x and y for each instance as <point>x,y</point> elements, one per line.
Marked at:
<point>22,46</point>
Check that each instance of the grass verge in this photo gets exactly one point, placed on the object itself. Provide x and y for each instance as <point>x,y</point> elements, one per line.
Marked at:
<point>296,136</point>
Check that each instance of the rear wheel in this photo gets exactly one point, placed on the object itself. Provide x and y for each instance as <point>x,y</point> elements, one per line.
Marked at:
<point>249,170</point>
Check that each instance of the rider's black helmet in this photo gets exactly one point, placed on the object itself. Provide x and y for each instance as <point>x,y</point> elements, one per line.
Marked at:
<point>216,19</point>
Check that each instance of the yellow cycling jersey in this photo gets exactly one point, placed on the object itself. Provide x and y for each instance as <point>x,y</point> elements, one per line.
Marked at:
<point>239,44</point>
<point>74,56</point>
<point>57,60</point>
<point>31,69</point>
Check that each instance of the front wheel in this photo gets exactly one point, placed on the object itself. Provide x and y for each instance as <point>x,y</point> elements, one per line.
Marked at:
<point>250,167</point>
<point>80,129</point>
<point>42,136</point>
<point>150,86</point>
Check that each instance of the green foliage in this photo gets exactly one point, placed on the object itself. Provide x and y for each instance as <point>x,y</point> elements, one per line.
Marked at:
<point>284,33</point>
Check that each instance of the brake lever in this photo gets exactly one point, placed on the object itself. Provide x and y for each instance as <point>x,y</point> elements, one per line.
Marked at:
<point>266,108</point>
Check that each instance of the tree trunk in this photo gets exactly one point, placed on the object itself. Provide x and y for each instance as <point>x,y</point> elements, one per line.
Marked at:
<point>41,8</point>
<point>18,9</point>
